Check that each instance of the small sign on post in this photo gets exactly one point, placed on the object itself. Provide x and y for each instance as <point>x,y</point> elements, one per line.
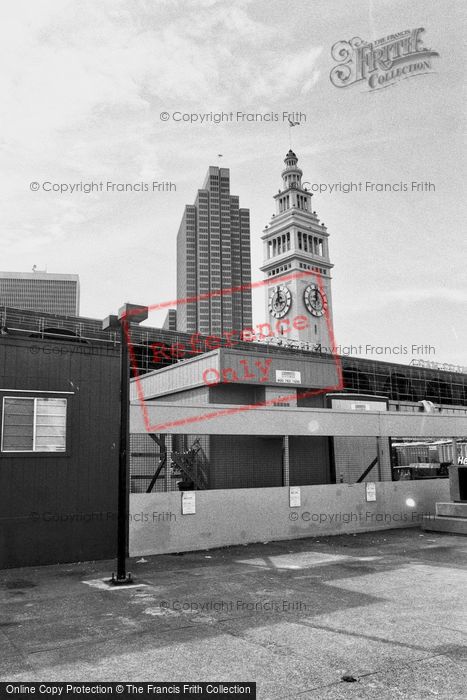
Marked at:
<point>294,497</point>
<point>188,502</point>
<point>370,491</point>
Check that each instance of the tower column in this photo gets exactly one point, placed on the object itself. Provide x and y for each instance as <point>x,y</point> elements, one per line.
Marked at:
<point>295,252</point>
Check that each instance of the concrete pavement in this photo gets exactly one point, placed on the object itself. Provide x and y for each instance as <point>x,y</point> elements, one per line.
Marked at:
<point>386,607</point>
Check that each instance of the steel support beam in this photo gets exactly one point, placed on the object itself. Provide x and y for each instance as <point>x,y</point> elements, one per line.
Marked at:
<point>215,419</point>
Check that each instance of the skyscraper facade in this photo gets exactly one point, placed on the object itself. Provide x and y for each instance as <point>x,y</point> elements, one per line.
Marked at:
<point>213,256</point>
<point>40,291</point>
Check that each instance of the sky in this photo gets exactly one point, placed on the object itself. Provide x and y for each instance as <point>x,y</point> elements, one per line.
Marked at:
<point>83,88</point>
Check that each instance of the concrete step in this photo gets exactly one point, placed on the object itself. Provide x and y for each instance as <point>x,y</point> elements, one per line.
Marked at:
<point>452,510</point>
<point>457,526</point>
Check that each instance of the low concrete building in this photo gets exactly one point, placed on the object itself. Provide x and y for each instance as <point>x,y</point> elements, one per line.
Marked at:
<point>268,447</point>
<point>283,385</point>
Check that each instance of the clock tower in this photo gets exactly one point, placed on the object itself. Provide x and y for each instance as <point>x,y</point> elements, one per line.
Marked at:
<point>296,244</point>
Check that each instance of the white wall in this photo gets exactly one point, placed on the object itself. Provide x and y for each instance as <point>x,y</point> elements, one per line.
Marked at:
<point>239,516</point>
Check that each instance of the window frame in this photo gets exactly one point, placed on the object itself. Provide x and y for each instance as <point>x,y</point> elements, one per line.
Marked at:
<point>33,395</point>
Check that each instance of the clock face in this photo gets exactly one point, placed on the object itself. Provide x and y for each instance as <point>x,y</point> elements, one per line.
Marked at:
<point>280,301</point>
<point>315,300</point>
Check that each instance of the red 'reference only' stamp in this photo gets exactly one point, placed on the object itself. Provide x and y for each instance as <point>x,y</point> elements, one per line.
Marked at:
<point>257,334</point>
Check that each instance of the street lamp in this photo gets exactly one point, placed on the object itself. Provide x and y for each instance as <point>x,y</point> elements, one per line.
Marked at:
<point>135,314</point>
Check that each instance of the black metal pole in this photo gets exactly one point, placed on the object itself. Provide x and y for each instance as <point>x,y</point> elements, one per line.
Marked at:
<point>138,314</point>
<point>123,458</point>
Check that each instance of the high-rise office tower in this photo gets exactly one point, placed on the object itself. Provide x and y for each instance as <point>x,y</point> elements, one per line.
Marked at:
<point>170,323</point>
<point>213,256</point>
<point>40,291</point>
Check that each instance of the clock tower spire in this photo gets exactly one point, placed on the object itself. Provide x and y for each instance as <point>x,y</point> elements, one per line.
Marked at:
<point>297,242</point>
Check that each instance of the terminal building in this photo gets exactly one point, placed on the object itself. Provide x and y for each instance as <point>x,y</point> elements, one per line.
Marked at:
<point>58,494</point>
<point>258,377</point>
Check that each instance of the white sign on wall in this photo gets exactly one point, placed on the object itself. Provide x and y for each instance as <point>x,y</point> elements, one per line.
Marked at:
<point>370,491</point>
<point>288,376</point>
<point>188,502</point>
<point>295,497</point>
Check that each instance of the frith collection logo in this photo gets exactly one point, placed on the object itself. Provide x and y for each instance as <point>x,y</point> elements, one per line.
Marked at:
<point>383,62</point>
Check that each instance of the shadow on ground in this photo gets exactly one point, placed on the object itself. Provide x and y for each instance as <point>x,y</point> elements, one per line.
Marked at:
<point>292,616</point>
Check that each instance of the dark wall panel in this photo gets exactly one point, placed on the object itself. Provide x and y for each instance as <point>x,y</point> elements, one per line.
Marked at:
<point>314,401</point>
<point>245,461</point>
<point>308,460</point>
<point>245,394</point>
<point>62,507</point>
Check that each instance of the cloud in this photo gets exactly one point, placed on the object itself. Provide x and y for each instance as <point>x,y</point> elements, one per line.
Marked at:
<point>83,86</point>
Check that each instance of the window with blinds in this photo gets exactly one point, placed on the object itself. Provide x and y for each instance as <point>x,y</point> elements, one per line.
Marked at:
<point>34,424</point>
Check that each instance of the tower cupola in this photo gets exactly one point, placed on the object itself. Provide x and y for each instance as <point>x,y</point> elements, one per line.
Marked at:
<point>291,175</point>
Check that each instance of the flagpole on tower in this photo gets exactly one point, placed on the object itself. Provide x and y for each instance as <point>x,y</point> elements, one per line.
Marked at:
<point>291,124</point>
